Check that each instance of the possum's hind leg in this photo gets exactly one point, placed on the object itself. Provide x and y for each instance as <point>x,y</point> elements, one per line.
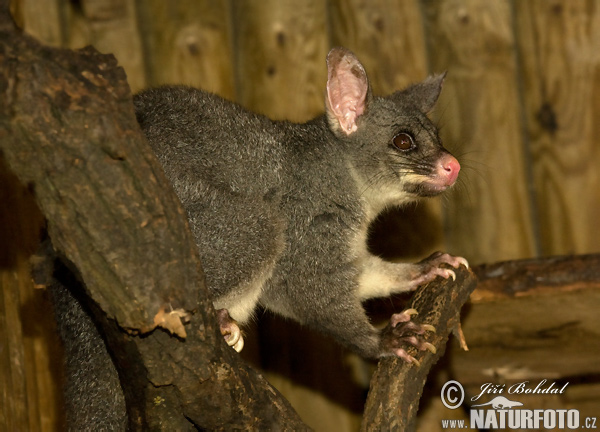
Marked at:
<point>240,239</point>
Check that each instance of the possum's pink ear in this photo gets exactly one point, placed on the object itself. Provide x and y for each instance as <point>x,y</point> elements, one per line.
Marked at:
<point>347,90</point>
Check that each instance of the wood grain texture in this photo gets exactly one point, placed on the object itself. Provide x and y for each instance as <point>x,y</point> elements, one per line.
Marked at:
<point>473,39</point>
<point>188,42</point>
<point>13,374</point>
<point>41,19</point>
<point>30,397</point>
<point>280,50</point>
<point>559,47</point>
<point>111,27</point>
<point>386,35</point>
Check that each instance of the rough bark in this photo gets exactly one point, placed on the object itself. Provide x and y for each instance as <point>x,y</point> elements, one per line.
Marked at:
<point>67,129</point>
<point>396,386</point>
<point>549,275</point>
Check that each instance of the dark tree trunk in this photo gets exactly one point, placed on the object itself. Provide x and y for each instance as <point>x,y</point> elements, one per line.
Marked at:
<point>68,129</point>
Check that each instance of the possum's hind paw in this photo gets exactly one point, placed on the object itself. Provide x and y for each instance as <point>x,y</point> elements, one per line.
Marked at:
<point>429,268</point>
<point>230,330</point>
<point>402,331</point>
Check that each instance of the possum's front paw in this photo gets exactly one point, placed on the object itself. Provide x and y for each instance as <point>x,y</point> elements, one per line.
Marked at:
<point>428,269</point>
<point>401,331</point>
<point>230,330</point>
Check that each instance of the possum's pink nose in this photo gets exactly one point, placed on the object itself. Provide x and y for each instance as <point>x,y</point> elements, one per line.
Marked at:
<point>448,169</point>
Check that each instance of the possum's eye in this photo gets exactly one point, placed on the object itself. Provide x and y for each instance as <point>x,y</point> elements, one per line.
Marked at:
<point>403,141</point>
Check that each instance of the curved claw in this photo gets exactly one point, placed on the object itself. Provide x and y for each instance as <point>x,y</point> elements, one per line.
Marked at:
<point>454,261</point>
<point>406,357</point>
<point>233,336</point>
<point>450,273</point>
<point>430,268</point>
<point>429,347</point>
<point>462,261</point>
<point>230,330</point>
<point>403,317</point>
<point>239,345</point>
<point>429,328</point>
<point>410,312</point>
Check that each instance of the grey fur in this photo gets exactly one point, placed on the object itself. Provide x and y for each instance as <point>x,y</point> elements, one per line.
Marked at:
<point>94,400</point>
<point>280,211</point>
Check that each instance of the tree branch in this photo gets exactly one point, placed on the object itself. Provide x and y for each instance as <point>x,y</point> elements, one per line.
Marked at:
<point>68,129</point>
<point>548,275</point>
<point>396,386</point>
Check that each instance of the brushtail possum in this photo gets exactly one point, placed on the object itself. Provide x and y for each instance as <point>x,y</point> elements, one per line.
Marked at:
<point>281,211</point>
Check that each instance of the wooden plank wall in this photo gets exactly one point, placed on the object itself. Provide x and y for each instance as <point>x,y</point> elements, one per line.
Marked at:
<point>30,356</point>
<point>558,45</point>
<point>519,106</point>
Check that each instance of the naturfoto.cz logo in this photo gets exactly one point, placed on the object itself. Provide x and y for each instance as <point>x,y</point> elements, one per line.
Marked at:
<point>503,412</point>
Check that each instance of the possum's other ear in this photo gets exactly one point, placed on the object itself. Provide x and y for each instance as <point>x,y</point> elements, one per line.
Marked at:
<point>347,90</point>
<point>425,94</point>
